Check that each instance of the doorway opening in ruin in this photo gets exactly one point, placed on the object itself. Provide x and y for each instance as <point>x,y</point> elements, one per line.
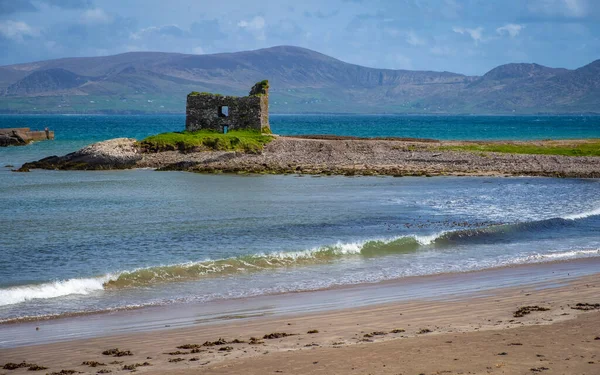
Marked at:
<point>223,111</point>
<point>225,129</point>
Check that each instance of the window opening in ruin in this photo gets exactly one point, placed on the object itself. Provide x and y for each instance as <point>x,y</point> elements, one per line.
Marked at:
<point>225,129</point>
<point>223,111</point>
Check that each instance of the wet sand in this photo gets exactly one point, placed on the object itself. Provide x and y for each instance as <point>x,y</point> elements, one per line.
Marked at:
<point>464,333</point>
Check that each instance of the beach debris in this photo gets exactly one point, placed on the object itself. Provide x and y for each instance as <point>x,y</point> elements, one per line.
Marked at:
<point>179,352</point>
<point>237,341</point>
<point>220,341</point>
<point>586,306</point>
<point>188,346</point>
<point>175,360</point>
<point>104,371</point>
<point>226,348</point>
<point>92,363</point>
<point>423,331</point>
<point>136,365</point>
<point>525,310</point>
<point>313,331</point>
<point>276,335</point>
<point>597,338</point>
<point>397,331</point>
<point>30,366</point>
<point>255,341</point>
<point>515,344</point>
<point>375,333</point>
<point>503,353</point>
<point>35,367</point>
<point>310,345</point>
<point>14,366</point>
<point>117,353</point>
<point>538,369</point>
<point>64,372</point>
<point>116,362</point>
<point>193,359</point>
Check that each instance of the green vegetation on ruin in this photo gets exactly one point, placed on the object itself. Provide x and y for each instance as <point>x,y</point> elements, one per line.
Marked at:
<point>587,148</point>
<point>234,140</point>
<point>261,87</point>
<point>204,93</point>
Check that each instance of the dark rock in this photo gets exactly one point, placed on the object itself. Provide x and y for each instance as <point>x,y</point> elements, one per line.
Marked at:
<point>119,153</point>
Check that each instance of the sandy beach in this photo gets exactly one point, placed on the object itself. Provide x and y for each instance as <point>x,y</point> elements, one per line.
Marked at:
<point>477,333</point>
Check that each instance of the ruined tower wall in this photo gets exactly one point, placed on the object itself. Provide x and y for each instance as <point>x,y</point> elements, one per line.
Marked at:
<point>205,111</point>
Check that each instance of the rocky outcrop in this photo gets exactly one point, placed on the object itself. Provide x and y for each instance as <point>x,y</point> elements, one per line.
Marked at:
<point>119,153</point>
<point>344,156</point>
<point>11,140</point>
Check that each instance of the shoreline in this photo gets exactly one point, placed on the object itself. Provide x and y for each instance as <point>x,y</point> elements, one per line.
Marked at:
<point>583,260</point>
<point>480,319</point>
<point>330,155</point>
<point>157,318</point>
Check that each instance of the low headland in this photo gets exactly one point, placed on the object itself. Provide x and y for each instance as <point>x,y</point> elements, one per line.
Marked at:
<point>246,151</point>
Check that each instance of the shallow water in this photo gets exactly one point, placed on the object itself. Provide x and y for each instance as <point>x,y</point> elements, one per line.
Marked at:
<point>87,241</point>
<point>92,241</point>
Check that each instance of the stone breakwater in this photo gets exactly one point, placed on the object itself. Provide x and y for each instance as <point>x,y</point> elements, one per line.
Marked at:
<point>23,136</point>
<point>314,155</point>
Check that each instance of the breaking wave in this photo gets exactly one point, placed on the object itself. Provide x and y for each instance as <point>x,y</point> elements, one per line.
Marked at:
<point>320,255</point>
<point>583,215</point>
<point>18,294</point>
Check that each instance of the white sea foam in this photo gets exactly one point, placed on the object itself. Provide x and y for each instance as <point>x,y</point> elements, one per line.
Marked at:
<point>18,294</point>
<point>428,239</point>
<point>557,256</point>
<point>583,215</point>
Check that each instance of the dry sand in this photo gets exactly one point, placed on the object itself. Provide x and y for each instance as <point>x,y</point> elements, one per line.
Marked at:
<point>469,335</point>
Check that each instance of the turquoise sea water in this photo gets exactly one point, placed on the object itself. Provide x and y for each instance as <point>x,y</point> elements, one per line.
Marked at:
<point>77,242</point>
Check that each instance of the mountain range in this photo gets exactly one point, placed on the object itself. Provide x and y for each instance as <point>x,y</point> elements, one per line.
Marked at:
<point>301,80</point>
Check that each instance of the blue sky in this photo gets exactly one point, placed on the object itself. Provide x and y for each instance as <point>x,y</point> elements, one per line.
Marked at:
<point>463,36</point>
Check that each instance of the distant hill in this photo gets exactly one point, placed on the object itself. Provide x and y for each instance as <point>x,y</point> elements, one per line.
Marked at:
<point>302,81</point>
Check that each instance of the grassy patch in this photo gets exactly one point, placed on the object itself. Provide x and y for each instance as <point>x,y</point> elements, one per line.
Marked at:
<point>204,140</point>
<point>590,148</point>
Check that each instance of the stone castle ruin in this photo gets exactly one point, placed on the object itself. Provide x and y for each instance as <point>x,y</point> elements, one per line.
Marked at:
<point>206,111</point>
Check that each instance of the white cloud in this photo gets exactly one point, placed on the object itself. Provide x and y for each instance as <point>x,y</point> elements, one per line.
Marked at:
<point>393,32</point>
<point>578,8</point>
<point>451,9</point>
<point>402,62</point>
<point>16,30</point>
<point>168,30</point>
<point>95,16</point>
<point>198,50</point>
<point>570,8</point>
<point>256,26</point>
<point>414,40</point>
<point>511,29</point>
<point>441,51</point>
<point>256,23</point>
<point>475,34</point>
